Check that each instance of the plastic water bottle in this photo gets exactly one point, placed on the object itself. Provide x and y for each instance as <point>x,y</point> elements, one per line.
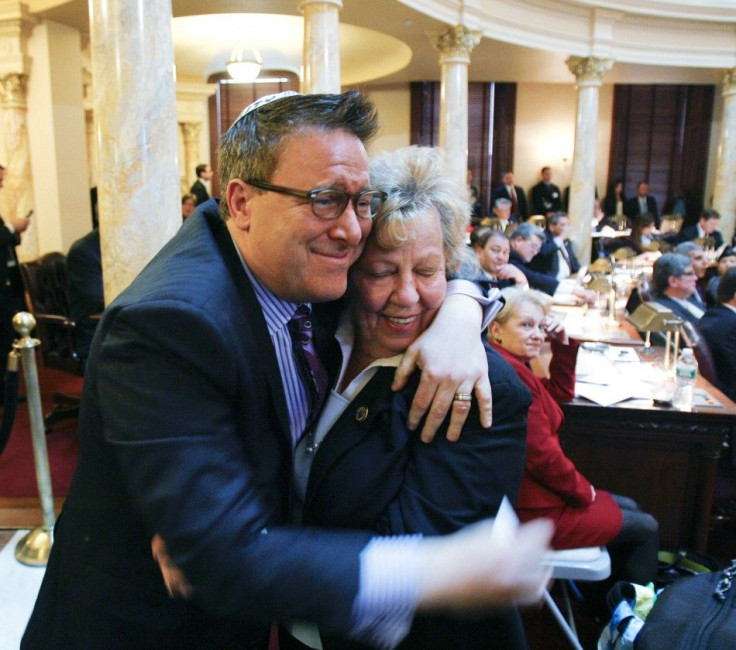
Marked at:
<point>686,372</point>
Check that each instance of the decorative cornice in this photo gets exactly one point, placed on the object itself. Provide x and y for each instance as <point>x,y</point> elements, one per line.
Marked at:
<point>13,90</point>
<point>588,70</point>
<point>457,43</point>
<point>728,82</point>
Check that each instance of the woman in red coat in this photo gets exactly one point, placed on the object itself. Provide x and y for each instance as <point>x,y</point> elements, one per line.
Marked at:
<point>552,487</point>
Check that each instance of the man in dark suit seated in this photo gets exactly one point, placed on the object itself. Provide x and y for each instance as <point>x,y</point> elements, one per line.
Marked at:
<point>546,196</point>
<point>203,376</point>
<point>515,194</point>
<point>674,283</point>
<point>199,188</point>
<point>556,258</point>
<point>642,203</point>
<point>706,228</point>
<point>699,260</point>
<point>526,242</point>
<point>718,326</point>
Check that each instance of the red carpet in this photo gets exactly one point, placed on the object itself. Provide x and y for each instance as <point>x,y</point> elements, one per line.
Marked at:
<point>17,469</point>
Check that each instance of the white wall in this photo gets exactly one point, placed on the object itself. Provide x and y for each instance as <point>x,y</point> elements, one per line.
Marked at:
<point>56,132</point>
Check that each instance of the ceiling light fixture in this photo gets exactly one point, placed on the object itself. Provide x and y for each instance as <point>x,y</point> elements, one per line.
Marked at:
<point>244,65</point>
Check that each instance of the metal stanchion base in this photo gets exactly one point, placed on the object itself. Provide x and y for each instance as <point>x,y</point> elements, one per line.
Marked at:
<point>34,548</point>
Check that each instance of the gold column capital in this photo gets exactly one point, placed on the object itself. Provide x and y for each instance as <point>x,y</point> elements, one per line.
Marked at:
<point>457,43</point>
<point>16,24</point>
<point>588,70</point>
<point>13,89</point>
<point>190,131</point>
<point>728,81</point>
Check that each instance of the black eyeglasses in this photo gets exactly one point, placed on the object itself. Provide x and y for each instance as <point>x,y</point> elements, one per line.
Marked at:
<point>689,273</point>
<point>330,203</point>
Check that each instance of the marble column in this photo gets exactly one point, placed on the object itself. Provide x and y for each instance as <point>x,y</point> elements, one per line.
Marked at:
<point>135,113</point>
<point>89,114</point>
<point>455,46</point>
<point>190,133</point>
<point>16,197</point>
<point>321,45</point>
<point>588,73</point>
<point>724,193</point>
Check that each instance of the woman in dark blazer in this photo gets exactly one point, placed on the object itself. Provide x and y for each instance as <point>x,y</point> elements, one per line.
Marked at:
<point>362,467</point>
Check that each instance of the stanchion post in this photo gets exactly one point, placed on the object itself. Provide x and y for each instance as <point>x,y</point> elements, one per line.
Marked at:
<point>34,548</point>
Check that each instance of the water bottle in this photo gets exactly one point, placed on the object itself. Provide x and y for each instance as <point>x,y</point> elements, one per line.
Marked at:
<point>686,372</point>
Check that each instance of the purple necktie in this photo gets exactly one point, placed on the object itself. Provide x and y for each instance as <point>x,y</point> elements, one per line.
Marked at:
<point>311,369</point>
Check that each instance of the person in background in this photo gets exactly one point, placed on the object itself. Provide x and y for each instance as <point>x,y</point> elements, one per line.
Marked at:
<point>203,376</point>
<point>718,326</point>
<point>546,196</point>
<point>641,238</point>
<point>700,263</point>
<point>707,227</point>
<point>552,487</point>
<point>502,212</point>
<point>514,193</point>
<point>675,285</point>
<point>492,251</point>
<point>526,241</point>
<point>375,474</point>
<point>726,260</point>
<point>84,282</point>
<point>188,203</point>
<point>12,296</point>
<point>642,203</point>
<point>615,199</point>
<point>556,258</point>
<point>201,185</point>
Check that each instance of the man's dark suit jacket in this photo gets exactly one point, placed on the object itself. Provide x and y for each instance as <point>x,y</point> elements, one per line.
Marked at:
<point>542,281</point>
<point>718,326</point>
<point>631,208</point>
<point>688,233</point>
<point>372,473</point>
<point>677,309</point>
<point>200,191</point>
<point>84,287</point>
<point>184,432</point>
<point>546,197</point>
<point>547,261</point>
<point>501,192</point>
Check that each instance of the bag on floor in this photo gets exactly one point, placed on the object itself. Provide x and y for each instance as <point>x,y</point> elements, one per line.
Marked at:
<point>630,605</point>
<point>694,613</point>
<point>681,563</point>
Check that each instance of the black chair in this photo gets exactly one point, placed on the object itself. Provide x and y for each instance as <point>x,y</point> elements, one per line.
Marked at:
<point>45,284</point>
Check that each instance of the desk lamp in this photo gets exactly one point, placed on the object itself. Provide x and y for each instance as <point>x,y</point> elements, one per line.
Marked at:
<point>603,280</point>
<point>652,317</point>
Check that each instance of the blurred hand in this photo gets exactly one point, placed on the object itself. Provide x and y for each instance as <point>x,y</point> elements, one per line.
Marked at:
<point>511,272</point>
<point>20,224</point>
<point>174,579</point>
<point>474,569</point>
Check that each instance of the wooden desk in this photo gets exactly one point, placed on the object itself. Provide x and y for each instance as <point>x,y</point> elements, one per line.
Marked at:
<point>664,458</point>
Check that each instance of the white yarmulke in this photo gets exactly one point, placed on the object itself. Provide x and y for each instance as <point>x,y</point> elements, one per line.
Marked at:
<point>266,99</point>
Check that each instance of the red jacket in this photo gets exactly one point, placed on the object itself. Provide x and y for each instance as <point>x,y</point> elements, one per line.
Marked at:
<point>552,487</point>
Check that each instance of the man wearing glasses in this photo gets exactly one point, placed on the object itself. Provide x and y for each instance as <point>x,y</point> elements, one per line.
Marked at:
<point>675,286</point>
<point>202,377</point>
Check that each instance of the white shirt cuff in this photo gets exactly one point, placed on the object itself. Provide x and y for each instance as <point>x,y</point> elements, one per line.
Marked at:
<point>490,304</point>
<point>389,579</point>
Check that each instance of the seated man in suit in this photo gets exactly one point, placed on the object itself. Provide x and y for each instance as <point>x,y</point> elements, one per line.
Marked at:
<point>546,196</point>
<point>718,326</point>
<point>492,251</point>
<point>675,285</point>
<point>556,257</point>
<point>707,227</point>
<point>642,203</point>
<point>515,194</point>
<point>700,265</point>
<point>526,242</point>
<point>502,212</point>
